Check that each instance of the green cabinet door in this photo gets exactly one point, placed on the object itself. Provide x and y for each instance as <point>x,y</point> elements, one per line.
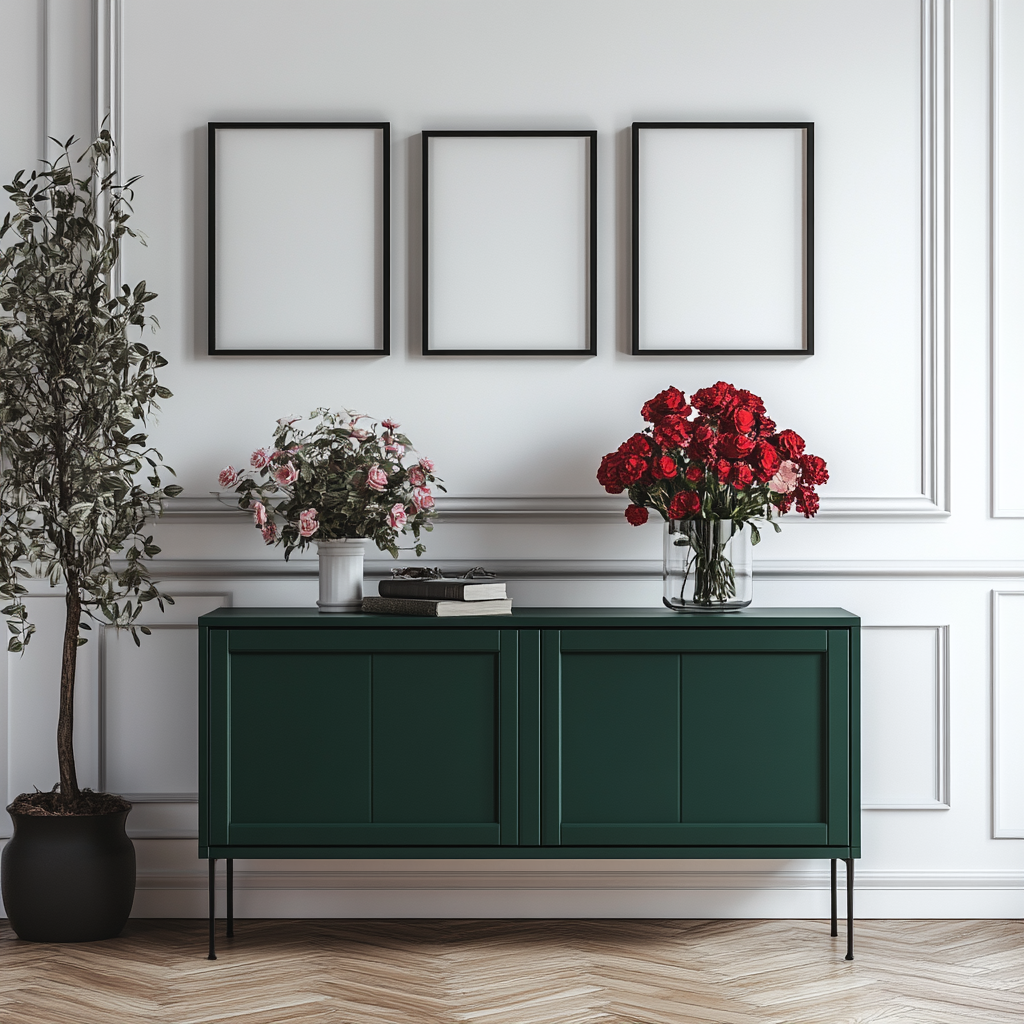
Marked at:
<point>692,737</point>
<point>364,738</point>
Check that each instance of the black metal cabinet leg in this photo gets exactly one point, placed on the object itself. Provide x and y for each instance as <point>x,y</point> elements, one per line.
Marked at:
<point>835,923</point>
<point>849,909</point>
<point>231,898</point>
<point>213,906</point>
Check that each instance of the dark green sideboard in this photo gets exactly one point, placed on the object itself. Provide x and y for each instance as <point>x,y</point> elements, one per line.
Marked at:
<point>550,733</point>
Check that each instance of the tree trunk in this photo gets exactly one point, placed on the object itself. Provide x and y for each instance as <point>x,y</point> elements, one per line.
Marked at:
<point>66,720</point>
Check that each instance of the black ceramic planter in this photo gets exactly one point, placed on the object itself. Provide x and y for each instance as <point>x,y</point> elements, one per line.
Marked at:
<point>68,878</point>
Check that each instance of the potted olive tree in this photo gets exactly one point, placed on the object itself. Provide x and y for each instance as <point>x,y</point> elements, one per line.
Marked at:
<point>78,482</point>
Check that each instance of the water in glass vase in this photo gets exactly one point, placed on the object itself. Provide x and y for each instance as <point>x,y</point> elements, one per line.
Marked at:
<point>708,565</point>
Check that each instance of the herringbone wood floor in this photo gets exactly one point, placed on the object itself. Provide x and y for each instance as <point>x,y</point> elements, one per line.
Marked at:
<point>522,972</point>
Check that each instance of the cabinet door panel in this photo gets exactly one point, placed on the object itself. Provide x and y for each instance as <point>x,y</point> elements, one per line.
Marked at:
<point>754,738</point>
<point>743,743</point>
<point>362,744</point>
<point>620,738</point>
<point>434,738</point>
<point>297,720</point>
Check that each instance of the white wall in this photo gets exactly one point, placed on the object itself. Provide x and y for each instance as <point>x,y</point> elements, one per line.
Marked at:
<point>920,532</point>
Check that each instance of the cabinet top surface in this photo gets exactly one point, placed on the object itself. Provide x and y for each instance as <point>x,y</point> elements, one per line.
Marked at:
<point>536,618</point>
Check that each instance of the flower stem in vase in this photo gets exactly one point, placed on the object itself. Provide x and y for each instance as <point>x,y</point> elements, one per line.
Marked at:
<point>714,578</point>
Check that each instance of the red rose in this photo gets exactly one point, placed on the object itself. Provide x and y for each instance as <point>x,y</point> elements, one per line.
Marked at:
<point>608,473</point>
<point>813,470</point>
<point>748,400</point>
<point>638,444</point>
<point>671,400</point>
<point>702,443</point>
<point>685,503</point>
<point>735,446</point>
<point>790,444</point>
<point>766,461</point>
<point>694,473</point>
<point>715,399</point>
<point>742,421</point>
<point>741,477</point>
<point>673,431</point>
<point>722,469</point>
<point>636,515</point>
<point>766,427</point>
<point>664,467</point>
<point>632,468</point>
<point>806,501</point>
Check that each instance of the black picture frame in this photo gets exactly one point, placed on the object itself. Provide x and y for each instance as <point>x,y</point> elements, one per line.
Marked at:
<point>380,308</point>
<point>588,312</point>
<point>806,270</point>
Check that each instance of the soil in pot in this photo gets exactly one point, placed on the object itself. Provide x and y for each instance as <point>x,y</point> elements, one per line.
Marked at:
<point>68,877</point>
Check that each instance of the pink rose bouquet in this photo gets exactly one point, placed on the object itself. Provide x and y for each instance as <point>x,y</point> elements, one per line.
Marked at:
<point>336,480</point>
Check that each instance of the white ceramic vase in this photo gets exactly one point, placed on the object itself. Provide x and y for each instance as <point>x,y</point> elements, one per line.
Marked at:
<point>341,574</point>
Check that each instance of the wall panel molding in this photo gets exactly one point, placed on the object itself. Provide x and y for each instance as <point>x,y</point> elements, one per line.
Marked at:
<point>305,567</point>
<point>1006,254</point>
<point>938,770</point>
<point>932,500</point>
<point>1007,625</point>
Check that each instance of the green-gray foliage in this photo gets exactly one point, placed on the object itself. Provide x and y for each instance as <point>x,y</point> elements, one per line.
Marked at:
<point>75,389</point>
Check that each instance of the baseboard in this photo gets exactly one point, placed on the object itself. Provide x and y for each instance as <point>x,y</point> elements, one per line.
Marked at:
<point>534,894</point>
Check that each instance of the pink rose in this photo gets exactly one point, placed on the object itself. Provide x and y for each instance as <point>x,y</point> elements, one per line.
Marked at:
<point>228,476</point>
<point>395,448</point>
<point>417,477</point>
<point>359,434</point>
<point>259,513</point>
<point>376,478</point>
<point>397,517</point>
<point>426,465</point>
<point>260,458</point>
<point>390,424</point>
<point>269,532</point>
<point>286,474</point>
<point>307,522</point>
<point>786,479</point>
<point>422,498</point>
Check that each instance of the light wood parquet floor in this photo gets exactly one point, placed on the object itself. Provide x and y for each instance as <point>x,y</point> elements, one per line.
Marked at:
<point>522,972</point>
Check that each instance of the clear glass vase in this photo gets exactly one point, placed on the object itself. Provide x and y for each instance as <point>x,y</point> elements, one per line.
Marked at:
<point>708,565</point>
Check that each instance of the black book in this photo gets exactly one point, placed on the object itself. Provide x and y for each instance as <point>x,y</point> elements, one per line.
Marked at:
<point>437,609</point>
<point>444,590</point>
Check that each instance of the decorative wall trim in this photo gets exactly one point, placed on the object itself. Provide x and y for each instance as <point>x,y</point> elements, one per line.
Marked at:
<point>997,335</point>
<point>305,567</point>
<point>935,160</point>
<point>933,500</point>
<point>471,877</point>
<point>108,92</point>
<point>999,829</point>
<point>942,764</point>
<point>567,509</point>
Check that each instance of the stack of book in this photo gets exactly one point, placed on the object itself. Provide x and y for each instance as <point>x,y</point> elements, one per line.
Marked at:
<point>440,598</point>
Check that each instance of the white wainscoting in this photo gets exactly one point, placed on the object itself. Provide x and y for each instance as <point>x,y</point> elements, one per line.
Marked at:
<point>905,718</point>
<point>149,710</point>
<point>932,625</point>
<point>1007,714</point>
<point>1007,240</point>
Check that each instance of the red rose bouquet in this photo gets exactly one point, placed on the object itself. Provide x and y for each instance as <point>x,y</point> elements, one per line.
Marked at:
<point>717,459</point>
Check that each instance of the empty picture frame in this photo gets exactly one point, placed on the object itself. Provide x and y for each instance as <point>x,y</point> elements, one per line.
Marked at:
<point>299,231</point>
<point>509,243</point>
<point>723,238</point>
